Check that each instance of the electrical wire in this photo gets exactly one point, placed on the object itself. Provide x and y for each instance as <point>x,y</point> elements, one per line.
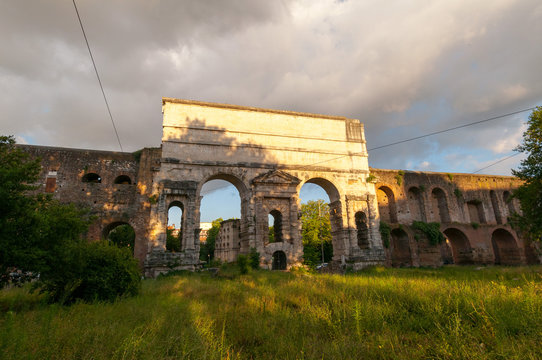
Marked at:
<point>496,162</point>
<point>426,135</point>
<point>453,128</point>
<point>98,76</point>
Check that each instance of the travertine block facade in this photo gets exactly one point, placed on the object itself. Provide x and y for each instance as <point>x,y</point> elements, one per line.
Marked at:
<point>268,155</point>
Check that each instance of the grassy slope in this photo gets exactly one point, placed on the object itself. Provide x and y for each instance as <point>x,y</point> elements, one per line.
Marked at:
<point>449,313</point>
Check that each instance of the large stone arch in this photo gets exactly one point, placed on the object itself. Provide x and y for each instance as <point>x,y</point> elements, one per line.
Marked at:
<point>401,251</point>
<point>505,248</point>
<point>245,196</point>
<point>386,204</point>
<point>460,246</point>
<point>335,214</point>
<point>415,204</point>
<point>439,206</point>
<point>497,211</point>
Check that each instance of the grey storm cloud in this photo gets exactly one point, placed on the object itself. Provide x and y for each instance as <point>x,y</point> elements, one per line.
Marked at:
<point>402,68</point>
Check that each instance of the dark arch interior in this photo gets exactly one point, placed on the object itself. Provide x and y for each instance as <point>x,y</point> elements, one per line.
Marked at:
<point>362,230</point>
<point>460,246</point>
<point>415,204</point>
<point>92,178</point>
<point>496,208</point>
<point>400,248</point>
<point>277,225</point>
<point>386,204</point>
<point>121,234</point>
<point>440,205</point>
<point>505,248</point>
<point>123,179</point>
<point>279,260</point>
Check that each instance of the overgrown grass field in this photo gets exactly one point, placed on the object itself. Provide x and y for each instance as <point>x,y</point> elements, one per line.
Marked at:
<point>448,313</point>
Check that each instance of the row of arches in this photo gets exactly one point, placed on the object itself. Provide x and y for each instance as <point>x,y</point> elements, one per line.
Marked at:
<point>438,209</point>
<point>457,249</point>
<point>97,179</point>
<point>274,218</point>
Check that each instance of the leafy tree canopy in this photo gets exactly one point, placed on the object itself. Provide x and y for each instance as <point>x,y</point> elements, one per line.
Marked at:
<point>33,226</point>
<point>207,249</point>
<point>316,228</point>
<point>530,171</point>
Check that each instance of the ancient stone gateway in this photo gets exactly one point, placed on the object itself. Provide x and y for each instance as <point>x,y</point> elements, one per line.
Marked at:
<point>267,155</point>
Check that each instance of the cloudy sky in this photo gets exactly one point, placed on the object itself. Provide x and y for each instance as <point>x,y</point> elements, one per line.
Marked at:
<point>403,68</point>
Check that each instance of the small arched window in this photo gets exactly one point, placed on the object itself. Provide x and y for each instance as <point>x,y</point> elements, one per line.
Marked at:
<point>123,179</point>
<point>92,178</point>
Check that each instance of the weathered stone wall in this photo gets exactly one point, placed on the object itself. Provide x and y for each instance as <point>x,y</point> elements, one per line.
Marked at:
<point>111,203</point>
<point>472,211</point>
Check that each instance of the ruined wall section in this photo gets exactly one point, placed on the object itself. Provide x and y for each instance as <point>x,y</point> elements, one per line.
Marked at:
<point>472,210</point>
<point>109,183</point>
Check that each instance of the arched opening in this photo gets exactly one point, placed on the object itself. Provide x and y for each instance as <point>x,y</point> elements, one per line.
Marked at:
<point>123,180</point>
<point>275,226</point>
<point>509,201</point>
<point>362,230</point>
<point>440,206</point>
<point>386,204</point>
<point>415,204</point>
<point>279,261</point>
<point>174,231</point>
<point>121,234</point>
<point>476,211</point>
<point>496,208</point>
<point>92,178</point>
<point>223,208</point>
<point>321,220</point>
<point>460,246</point>
<point>400,248</point>
<point>505,249</point>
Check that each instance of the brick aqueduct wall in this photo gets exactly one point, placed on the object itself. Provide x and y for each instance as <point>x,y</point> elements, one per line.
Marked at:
<point>472,209</point>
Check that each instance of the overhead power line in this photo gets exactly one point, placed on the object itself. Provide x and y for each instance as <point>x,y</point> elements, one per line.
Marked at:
<point>98,76</point>
<point>427,135</point>
<point>453,128</point>
<point>497,162</point>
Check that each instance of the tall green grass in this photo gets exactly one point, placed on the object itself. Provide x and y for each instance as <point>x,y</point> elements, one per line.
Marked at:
<point>449,313</point>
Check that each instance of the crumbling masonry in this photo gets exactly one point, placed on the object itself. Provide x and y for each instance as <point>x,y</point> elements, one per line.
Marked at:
<point>268,155</point>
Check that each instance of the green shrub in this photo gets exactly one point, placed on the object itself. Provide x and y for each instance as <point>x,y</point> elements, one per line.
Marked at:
<point>431,231</point>
<point>173,243</point>
<point>474,225</point>
<point>89,272</point>
<point>242,262</point>
<point>254,259</point>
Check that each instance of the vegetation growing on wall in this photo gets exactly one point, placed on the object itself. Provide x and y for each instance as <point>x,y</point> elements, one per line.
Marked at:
<point>399,177</point>
<point>431,231</point>
<point>370,178</point>
<point>458,194</point>
<point>385,232</point>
